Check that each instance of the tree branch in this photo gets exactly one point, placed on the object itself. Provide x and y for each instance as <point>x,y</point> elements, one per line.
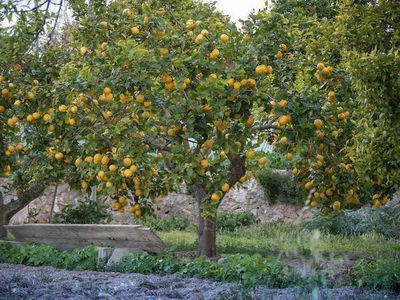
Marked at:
<point>55,22</point>
<point>98,108</point>
<point>23,199</point>
<point>237,169</point>
<point>269,125</point>
<point>149,141</point>
<point>107,140</point>
<point>35,7</point>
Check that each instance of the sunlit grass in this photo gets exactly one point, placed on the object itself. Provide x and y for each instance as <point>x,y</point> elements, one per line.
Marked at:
<point>288,240</point>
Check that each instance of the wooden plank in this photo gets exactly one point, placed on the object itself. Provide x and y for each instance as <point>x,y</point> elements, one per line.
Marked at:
<point>70,236</point>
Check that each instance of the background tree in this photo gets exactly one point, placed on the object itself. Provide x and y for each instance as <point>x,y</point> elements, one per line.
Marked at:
<point>331,132</point>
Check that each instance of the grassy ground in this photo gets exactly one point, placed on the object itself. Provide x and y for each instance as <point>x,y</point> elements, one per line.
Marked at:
<point>288,241</point>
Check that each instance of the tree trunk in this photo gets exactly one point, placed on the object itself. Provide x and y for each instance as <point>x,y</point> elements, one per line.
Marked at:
<point>7,211</point>
<point>207,234</point>
<point>3,220</point>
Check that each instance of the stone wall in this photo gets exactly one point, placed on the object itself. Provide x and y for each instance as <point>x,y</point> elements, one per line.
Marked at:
<point>249,197</point>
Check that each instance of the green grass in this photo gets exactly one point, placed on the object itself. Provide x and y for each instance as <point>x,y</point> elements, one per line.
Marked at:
<point>289,240</point>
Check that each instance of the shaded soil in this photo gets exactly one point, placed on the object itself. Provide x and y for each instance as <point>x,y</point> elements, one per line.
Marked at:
<point>24,282</point>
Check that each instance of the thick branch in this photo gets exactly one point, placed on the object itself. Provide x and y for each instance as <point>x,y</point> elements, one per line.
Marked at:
<point>23,199</point>
<point>237,169</point>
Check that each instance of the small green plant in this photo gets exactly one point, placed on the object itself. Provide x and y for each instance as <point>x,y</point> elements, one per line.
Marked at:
<point>82,259</point>
<point>228,221</point>
<point>86,212</point>
<point>249,270</point>
<point>377,274</point>
<point>166,224</point>
<point>145,263</point>
<point>280,186</point>
<point>42,255</point>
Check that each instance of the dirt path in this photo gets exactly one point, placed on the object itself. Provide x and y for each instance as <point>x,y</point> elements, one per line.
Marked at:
<point>23,282</point>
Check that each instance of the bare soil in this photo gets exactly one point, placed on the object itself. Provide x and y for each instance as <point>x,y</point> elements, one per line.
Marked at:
<point>24,282</point>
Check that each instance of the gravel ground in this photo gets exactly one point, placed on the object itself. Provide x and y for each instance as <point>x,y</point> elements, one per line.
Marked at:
<point>23,282</point>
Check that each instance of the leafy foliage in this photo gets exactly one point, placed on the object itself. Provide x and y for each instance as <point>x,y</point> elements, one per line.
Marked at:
<point>342,124</point>
<point>276,160</point>
<point>280,187</point>
<point>228,221</point>
<point>383,220</point>
<point>377,274</point>
<point>248,270</point>
<point>86,212</point>
<point>42,255</point>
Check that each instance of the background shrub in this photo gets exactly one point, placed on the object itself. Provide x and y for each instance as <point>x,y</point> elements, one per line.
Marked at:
<point>228,221</point>
<point>276,160</point>
<point>384,220</point>
<point>86,212</point>
<point>280,186</point>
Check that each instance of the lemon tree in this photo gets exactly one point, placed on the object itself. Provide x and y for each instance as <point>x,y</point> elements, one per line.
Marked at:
<point>151,95</point>
<point>138,98</point>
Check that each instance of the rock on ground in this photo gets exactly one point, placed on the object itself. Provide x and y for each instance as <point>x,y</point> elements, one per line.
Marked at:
<point>24,282</point>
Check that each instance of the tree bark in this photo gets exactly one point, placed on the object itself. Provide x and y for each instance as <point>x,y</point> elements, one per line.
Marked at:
<point>207,234</point>
<point>2,217</point>
<point>7,211</point>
